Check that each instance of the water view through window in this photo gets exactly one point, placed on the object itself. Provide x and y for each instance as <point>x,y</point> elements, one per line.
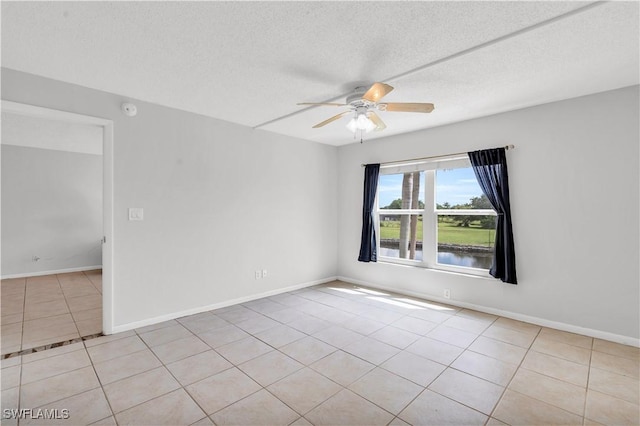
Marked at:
<point>468,260</point>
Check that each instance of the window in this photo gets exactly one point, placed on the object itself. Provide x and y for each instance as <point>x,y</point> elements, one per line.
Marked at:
<point>434,214</point>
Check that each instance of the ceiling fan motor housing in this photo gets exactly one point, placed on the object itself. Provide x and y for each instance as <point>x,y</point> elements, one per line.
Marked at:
<point>358,104</point>
<point>355,99</point>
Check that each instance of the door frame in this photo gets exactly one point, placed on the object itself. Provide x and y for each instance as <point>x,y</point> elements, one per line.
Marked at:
<point>107,190</point>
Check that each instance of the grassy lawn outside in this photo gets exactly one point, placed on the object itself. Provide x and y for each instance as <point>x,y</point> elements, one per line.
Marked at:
<point>448,233</point>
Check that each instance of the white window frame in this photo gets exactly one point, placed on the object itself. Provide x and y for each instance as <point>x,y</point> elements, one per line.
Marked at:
<point>429,214</point>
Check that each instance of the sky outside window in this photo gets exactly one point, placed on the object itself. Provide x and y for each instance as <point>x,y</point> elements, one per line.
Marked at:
<point>455,186</point>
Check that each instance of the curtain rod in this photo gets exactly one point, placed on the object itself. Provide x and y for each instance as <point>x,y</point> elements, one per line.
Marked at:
<point>506,147</point>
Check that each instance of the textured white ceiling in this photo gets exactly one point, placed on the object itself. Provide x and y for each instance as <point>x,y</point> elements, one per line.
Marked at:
<point>251,62</point>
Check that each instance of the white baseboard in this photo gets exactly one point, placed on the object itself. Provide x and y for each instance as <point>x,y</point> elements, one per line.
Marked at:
<point>604,335</point>
<point>57,271</point>
<point>180,314</point>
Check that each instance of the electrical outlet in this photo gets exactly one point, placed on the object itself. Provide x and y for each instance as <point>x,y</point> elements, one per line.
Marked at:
<point>258,275</point>
<point>264,273</point>
<point>447,293</point>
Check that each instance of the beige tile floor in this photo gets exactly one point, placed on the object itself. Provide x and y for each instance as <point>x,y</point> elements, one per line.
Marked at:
<point>39,311</point>
<point>332,354</point>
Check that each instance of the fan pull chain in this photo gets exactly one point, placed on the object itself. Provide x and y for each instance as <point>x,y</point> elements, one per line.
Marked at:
<point>355,135</point>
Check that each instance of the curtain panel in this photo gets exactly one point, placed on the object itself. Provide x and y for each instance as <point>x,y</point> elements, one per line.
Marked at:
<point>368,245</point>
<point>490,167</point>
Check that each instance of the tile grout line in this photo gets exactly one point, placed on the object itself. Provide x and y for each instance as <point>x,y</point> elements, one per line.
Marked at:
<point>68,310</point>
<point>113,414</point>
<point>586,391</point>
<point>24,308</point>
<point>71,312</point>
<point>65,300</point>
<point>558,379</point>
<point>68,396</point>
<point>461,353</point>
<point>404,315</point>
<point>21,358</point>
<point>236,366</point>
<point>239,369</point>
<point>91,281</point>
<point>448,366</point>
<point>183,387</point>
<point>514,375</point>
<point>290,374</point>
<point>162,365</point>
<point>375,366</point>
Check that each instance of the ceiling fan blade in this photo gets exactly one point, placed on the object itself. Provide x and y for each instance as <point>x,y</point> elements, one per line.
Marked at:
<point>329,120</point>
<point>376,92</point>
<point>321,103</point>
<point>408,107</point>
<point>377,121</point>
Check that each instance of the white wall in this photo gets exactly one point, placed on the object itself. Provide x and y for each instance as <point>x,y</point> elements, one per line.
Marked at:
<point>38,132</point>
<point>51,208</point>
<point>220,201</point>
<point>574,198</point>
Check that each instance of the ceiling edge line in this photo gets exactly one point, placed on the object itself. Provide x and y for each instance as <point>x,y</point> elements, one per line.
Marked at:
<point>456,55</point>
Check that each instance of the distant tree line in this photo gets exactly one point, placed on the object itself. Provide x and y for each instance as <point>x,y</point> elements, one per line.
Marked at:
<point>475,203</point>
<point>397,204</point>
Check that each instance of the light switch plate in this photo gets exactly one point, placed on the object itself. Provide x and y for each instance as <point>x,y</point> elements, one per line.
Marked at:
<point>136,213</point>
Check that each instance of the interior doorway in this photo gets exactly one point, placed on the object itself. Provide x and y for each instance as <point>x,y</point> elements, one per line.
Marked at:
<point>71,278</point>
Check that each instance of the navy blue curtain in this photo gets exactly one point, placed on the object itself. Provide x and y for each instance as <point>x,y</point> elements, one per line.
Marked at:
<point>490,167</point>
<point>368,246</point>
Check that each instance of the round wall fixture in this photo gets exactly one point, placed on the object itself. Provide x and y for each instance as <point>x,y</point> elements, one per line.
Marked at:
<point>129,109</point>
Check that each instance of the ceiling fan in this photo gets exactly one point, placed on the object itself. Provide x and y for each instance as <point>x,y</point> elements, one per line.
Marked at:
<point>362,104</point>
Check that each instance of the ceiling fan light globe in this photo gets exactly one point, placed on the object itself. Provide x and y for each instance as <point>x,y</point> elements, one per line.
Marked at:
<point>370,126</point>
<point>352,125</point>
<point>363,122</point>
